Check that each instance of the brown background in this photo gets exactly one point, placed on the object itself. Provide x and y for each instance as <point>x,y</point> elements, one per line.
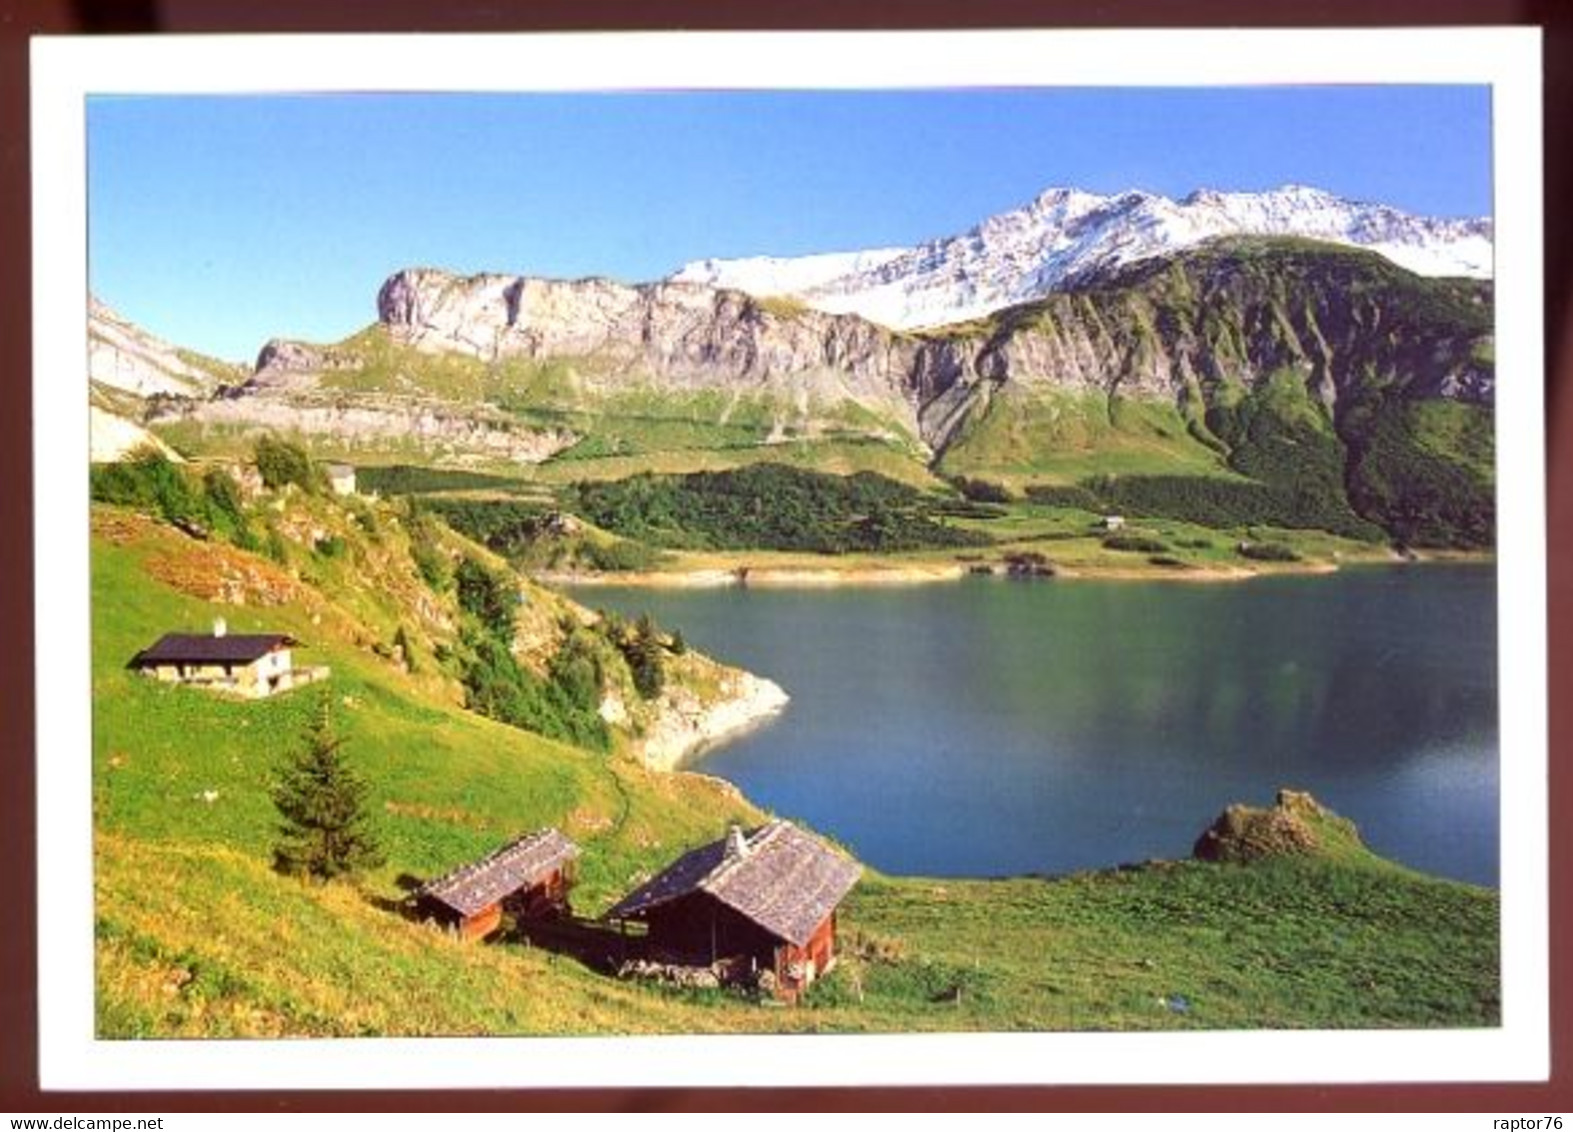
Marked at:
<point>18,1002</point>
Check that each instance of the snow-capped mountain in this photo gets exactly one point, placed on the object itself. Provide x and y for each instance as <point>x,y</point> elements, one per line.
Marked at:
<point>1064,234</point>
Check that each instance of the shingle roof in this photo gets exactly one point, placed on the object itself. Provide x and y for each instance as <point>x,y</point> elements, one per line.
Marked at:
<point>205,648</point>
<point>786,881</point>
<point>518,864</point>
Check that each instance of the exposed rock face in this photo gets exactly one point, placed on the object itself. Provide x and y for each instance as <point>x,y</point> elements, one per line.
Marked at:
<point>280,355</point>
<point>368,425</point>
<point>1241,310</point>
<point>679,336</point>
<point>686,726</point>
<point>113,438</point>
<point>126,357</point>
<point>1242,833</point>
<point>1199,332</point>
<point>1225,313</point>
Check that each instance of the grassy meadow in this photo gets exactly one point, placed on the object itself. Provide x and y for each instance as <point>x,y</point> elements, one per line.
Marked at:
<point>197,936</point>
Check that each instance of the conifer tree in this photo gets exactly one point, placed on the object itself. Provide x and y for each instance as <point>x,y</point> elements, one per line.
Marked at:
<point>324,833</point>
<point>644,658</point>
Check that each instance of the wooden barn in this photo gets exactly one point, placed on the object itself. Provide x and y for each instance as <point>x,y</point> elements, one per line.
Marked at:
<point>528,877</point>
<point>767,898</point>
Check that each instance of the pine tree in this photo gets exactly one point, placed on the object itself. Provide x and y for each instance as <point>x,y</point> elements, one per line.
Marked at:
<point>324,832</point>
<point>644,658</point>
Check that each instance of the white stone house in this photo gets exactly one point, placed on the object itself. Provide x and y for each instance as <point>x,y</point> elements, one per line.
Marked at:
<point>245,664</point>
<point>341,478</point>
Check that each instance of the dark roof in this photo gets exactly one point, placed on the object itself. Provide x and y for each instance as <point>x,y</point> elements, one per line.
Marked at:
<point>518,864</point>
<point>785,881</point>
<point>205,648</point>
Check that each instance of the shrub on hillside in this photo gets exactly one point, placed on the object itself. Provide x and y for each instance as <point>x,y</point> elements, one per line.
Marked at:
<point>153,483</point>
<point>558,708</point>
<point>488,596</point>
<point>431,562</point>
<point>981,490</point>
<point>1142,544</point>
<point>1063,495</point>
<point>1268,552</point>
<point>771,507</point>
<point>150,482</point>
<point>279,463</point>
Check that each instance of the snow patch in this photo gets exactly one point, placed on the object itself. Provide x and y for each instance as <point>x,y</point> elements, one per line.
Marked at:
<point>1028,252</point>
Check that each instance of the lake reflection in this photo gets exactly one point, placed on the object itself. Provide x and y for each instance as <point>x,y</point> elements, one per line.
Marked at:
<point>986,728</point>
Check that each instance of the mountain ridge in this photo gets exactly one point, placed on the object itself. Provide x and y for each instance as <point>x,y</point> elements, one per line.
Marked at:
<point>1241,356</point>
<point>1031,251</point>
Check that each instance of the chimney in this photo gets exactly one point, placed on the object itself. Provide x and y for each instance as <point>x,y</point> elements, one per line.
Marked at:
<point>736,846</point>
<point>219,627</point>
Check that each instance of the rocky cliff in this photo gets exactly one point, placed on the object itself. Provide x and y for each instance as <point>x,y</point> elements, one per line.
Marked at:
<point>123,356</point>
<point>125,366</point>
<point>1291,362</point>
<point>679,337</point>
<point>1231,312</point>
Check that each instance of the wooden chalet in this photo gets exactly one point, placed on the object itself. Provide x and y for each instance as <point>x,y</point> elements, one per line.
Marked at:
<point>529,877</point>
<point>245,664</point>
<point>767,898</point>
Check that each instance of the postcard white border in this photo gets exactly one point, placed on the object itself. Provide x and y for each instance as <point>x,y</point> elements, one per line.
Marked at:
<point>65,71</point>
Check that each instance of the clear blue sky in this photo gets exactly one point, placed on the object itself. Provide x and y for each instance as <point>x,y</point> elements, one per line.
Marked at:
<point>218,222</point>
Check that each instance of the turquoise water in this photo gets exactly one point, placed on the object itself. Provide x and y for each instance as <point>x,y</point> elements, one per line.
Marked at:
<point>989,728</point>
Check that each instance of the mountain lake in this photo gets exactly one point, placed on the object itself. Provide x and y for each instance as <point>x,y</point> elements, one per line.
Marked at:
<point>989,727</point>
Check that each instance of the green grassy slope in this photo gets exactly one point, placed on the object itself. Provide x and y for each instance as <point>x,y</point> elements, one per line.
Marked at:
<point>196,936</point>
<point>616,421</point>
<point>1357,392</point>
<point>1023,435</point>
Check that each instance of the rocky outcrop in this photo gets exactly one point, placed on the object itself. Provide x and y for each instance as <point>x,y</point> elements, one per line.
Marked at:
<point>370,425</point>
<point>1296,825</point>
<point>1231,312</point>
<point>677,336</point>
<point>122,355</point>
<point>113,437</point>
<point>687,724</point>
<point>1193,330</point>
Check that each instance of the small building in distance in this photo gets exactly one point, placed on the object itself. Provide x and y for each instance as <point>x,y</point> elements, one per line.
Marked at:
<point>766,898</point>
<point>341,478</point>
<point>245,664</point>
<point>1112,522</point>
<point>529,877</point>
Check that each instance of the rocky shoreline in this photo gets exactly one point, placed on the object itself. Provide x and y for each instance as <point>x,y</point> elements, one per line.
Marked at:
<point>759,576</point>
<point>687,727</point>
<point>804,577</point>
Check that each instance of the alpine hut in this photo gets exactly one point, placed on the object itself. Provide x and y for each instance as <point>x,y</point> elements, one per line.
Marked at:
<point>246,664</point>
<point>341,478</point>
<point>529,877</point>
<point>766,898</point>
